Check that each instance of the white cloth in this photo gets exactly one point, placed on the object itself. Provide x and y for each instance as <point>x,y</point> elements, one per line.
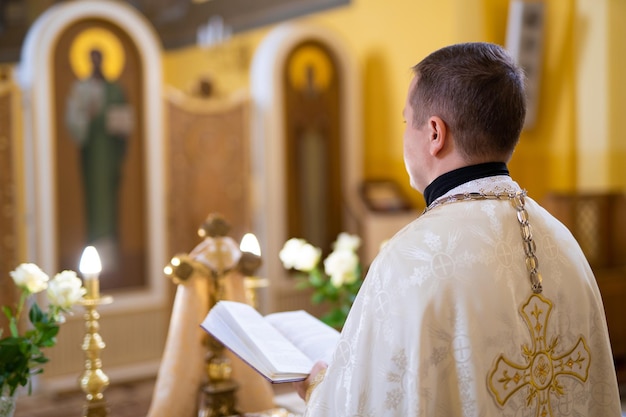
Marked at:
<point>437,330</point>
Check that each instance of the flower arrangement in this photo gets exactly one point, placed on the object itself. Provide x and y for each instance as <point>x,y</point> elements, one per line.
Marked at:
<point>340,280</point>
<point>21,355</point>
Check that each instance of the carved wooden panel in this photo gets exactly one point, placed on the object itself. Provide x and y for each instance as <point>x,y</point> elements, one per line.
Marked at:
<point>8,199</point>
<point>618,222</point>
<point>594,220</point>
<point>598,221</point>
<point>209,169</point>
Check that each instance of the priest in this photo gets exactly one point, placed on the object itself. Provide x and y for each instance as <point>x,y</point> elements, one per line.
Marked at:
<point>484,305</point>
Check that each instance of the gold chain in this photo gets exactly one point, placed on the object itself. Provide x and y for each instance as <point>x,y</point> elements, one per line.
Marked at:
<point>517,199</point>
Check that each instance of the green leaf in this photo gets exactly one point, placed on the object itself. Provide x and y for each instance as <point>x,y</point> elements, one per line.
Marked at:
<point>317,298</point>
<point>9,350</point>
<point>35,315</point>
<point>335,318</point>
<point>13,327</point>
<point>331,290</point>
<point>330,293</point>
<point>316,280</point>
<point>49,342</point>
<point>14,362</point>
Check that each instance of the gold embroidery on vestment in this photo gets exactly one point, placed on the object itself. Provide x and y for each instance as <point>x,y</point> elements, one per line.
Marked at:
<point>316,381</point>
<point>544,366</point>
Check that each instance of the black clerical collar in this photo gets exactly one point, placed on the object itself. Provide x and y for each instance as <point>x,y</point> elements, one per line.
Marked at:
<point>452,179</point>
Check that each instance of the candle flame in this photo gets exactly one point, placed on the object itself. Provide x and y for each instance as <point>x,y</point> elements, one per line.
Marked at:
<point>90,261</point>
<point>249,243</point>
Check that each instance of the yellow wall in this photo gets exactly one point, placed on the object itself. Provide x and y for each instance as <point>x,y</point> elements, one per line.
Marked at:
<point>617,100</point>
<point>600,64</point>
<point>546,156</point>
<point>387,38</point>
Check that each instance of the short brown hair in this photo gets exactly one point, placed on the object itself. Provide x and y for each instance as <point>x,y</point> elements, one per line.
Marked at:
<point>478,91</point>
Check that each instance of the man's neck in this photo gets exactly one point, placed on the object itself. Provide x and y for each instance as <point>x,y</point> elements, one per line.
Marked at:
<point>456,177</point>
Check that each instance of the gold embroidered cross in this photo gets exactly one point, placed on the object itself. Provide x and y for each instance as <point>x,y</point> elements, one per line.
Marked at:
<point>543,365</point>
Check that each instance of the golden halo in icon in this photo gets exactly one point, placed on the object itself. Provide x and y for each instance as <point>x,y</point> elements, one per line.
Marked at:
<point>315,58</point>
<point>104,40</point>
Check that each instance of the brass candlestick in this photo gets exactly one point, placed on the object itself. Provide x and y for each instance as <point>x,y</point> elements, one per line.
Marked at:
<point>93,380</point>
<point>248,265</point>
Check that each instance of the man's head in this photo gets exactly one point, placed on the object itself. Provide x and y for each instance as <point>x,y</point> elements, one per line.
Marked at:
<point>472,96</point>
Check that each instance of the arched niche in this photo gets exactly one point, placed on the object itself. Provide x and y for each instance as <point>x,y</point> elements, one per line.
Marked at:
<point>36,75</point>
<point>135,342</point>
<point>269,150</point>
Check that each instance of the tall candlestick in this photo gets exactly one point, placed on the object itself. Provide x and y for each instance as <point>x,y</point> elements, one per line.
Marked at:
<point>93,380</point>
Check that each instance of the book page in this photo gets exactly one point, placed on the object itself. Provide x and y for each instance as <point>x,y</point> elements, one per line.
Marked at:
<point>311,336</point>
<point>243,330</point>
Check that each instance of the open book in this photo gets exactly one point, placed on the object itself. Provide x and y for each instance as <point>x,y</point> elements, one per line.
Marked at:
<point>281,346</point>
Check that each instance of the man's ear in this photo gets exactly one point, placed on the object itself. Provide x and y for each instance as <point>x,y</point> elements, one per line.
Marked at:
<point>437,134</point>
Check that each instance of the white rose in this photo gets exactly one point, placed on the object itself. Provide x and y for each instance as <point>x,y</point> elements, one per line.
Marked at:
<point>347,241</point>
<point>30,277</point>
<point>65,290</point>
<point>308,258</point>
<point>290,252</point>
<point>341,266</point>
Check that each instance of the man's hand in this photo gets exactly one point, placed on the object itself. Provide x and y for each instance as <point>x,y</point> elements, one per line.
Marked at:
<point>310,382</point>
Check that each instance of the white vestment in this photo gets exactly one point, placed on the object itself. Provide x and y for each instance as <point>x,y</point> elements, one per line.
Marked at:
<point>446,323</point>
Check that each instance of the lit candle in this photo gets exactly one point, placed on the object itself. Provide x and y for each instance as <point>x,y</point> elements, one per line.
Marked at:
<point>90,268</point>
<point>249,263</point>
<point>249,243</point>
<point>250,255</point>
